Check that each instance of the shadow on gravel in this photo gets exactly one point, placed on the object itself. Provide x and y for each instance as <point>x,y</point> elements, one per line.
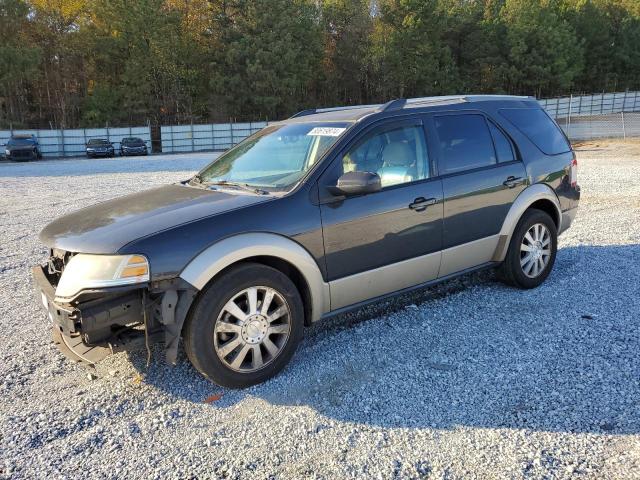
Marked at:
<point>81,166</point>
<point>470,353</point>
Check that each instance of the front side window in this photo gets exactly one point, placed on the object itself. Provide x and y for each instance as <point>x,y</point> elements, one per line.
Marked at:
<point>465,143</point>
<point>275,158</point>
<point>398,155</point>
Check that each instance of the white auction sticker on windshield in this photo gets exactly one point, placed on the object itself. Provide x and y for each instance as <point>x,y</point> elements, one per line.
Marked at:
<point>326,131</point>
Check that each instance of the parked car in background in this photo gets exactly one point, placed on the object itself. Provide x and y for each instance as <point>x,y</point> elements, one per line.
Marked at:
<point>132,146</point>
<point>22,148</point>
<point>311,217</point>
<point>99,147</point>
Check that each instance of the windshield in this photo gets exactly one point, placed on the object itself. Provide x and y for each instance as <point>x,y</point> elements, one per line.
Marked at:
<point>276,157</point>
<point>132,141</point>
<point>21,141</point>
<point>97,141</point>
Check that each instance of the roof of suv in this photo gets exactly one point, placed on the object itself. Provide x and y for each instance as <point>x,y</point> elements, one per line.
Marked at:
<point>357,112</point>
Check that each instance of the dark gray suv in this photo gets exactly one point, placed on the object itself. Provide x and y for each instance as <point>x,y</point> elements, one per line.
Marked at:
<point>312,216</point>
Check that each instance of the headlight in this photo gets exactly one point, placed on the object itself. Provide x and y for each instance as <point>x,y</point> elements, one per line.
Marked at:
<point>97,271</point>
<point>7,152</point>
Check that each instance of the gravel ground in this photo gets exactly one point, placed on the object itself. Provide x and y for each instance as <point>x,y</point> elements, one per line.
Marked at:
<point>467,380</point>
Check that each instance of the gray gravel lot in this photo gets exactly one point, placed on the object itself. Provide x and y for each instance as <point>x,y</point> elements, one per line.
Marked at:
<point>467,380</point>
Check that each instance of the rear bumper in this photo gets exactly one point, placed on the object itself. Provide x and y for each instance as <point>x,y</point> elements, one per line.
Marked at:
<point>95,326</point>
<point>567,219</point>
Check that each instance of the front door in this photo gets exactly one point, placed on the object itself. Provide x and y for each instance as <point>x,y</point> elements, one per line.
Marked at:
<point>388,240</point>
<point>481,177</point>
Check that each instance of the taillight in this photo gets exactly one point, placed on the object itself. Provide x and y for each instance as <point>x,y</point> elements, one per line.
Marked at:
<point>573,171</point>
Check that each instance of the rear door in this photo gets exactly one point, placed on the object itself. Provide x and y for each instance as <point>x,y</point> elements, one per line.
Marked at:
<point>481,176</point>
<point>388,240</point>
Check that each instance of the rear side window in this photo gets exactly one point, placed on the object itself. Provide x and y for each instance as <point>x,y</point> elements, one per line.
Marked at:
<point>539,128</point>
<point>465,143</point>
<point>504,149</point>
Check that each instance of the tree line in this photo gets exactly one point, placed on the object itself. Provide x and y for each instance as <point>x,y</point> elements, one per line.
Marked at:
<point>84,63</point>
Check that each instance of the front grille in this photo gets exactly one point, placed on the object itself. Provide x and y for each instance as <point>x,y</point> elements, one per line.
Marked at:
<point>21,153</point>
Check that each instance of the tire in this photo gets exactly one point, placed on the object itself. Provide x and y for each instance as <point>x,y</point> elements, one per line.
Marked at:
<point>525,272</point>
<point>238,354</point>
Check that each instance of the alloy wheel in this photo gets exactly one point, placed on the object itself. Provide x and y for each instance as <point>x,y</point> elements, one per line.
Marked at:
<point>535,250</point>
<point>252,329</point>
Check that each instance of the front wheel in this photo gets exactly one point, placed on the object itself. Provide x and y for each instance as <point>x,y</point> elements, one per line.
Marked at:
<point>245,327</point>
<point>532,250</point>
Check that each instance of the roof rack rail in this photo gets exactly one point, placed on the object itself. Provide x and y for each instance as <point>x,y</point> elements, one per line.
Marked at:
<point>302,113</point>
<point>396,104</point>
<point>330,109</point>
<point>435,100</point>
<point>400,103</point>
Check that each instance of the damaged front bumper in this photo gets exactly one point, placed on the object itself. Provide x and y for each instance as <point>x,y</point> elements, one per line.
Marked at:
<point>99,322</point>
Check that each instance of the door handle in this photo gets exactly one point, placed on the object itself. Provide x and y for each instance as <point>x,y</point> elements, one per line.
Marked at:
<point>420,204</point>
<point>512,181</point>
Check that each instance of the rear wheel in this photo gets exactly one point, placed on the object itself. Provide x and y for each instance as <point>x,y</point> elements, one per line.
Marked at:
<point>245,327</point>
<point>532,250</point>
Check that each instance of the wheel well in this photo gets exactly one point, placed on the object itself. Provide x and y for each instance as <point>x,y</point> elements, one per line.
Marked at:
<point>283,266</point>
<point>547,206</point>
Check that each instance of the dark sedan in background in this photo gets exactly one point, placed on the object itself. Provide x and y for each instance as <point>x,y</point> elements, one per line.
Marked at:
<point>22,148</point>
<point>132,146</point>
<point>99,147</point>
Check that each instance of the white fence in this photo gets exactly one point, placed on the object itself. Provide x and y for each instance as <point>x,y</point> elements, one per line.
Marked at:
<point>71,143</point>
<point>581,116</point>
<point>216,136</point>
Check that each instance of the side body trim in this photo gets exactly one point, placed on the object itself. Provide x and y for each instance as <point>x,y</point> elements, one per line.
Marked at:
<point>468,255</point>
<point>226,252</point>
<point>407,274</point>
<point>533,193</point>
<point>356,306</point>
<point>382,280</point>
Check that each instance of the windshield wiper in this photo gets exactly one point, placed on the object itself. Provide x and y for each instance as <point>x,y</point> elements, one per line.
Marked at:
<point>243,186</point>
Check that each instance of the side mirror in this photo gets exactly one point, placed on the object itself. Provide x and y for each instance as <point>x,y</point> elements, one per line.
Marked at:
<point>357,183</point>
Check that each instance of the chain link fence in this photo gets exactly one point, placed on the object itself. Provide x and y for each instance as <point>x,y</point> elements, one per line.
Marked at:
<point>623,125</point>
<point>591,117</point>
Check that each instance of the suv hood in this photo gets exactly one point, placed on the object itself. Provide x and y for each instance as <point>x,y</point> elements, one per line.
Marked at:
<point>109,226</point>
